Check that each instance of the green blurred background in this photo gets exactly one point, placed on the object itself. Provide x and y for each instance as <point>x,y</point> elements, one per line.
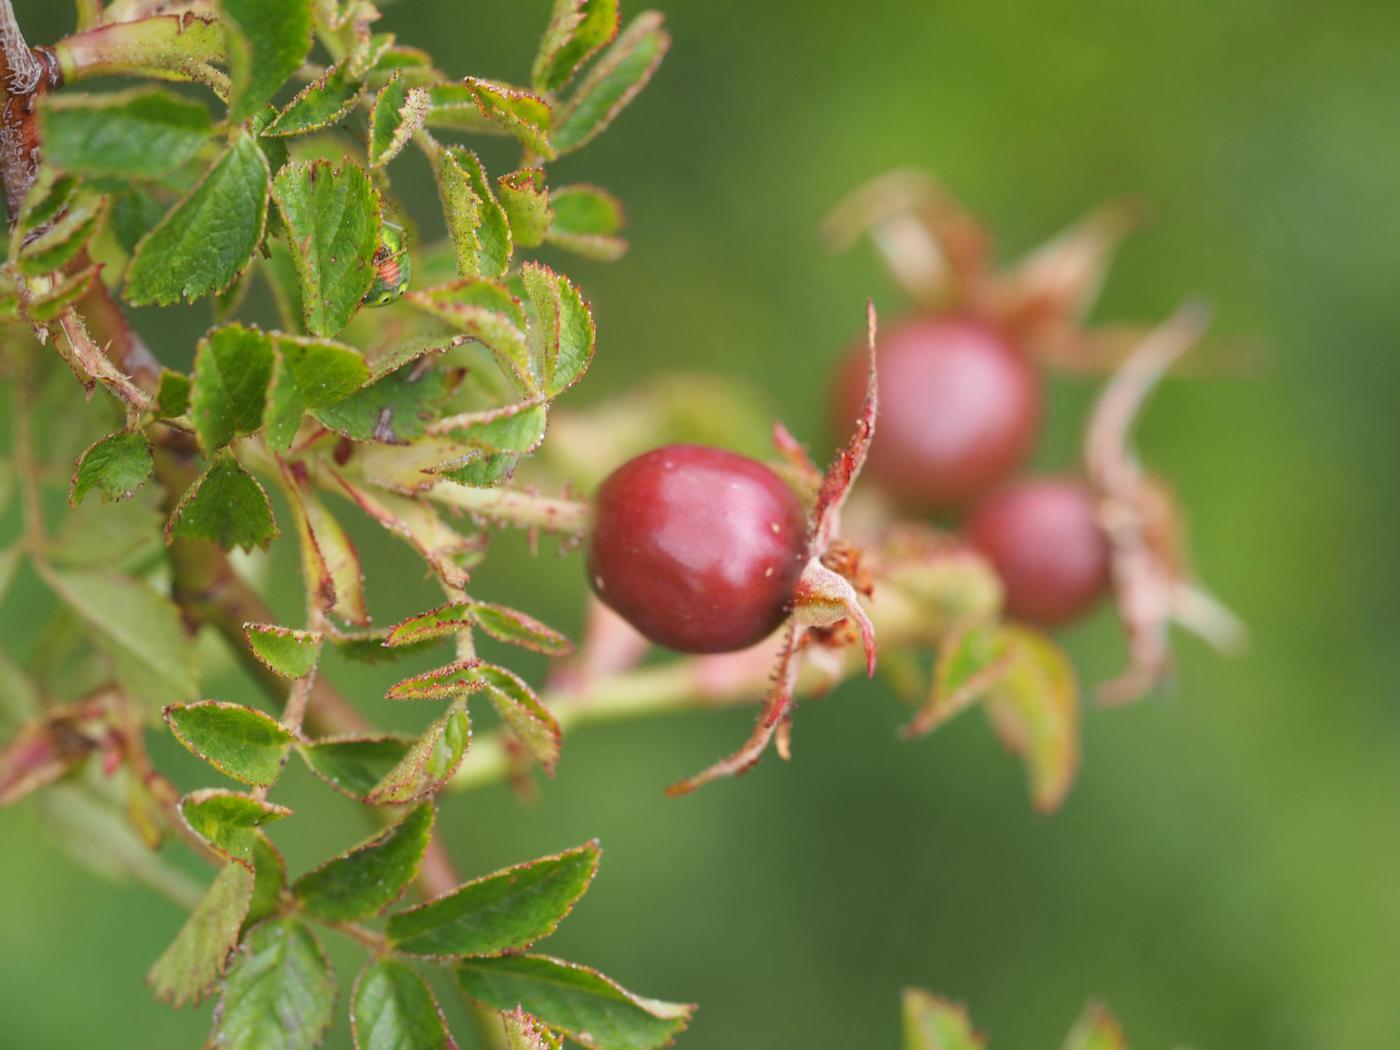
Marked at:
<point>1225,873</point>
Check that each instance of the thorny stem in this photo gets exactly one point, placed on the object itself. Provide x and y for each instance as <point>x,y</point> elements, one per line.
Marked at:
<point>22,74</point>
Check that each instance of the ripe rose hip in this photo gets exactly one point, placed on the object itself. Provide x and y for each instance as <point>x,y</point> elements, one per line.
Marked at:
<point>1043,537</point>
<point>697,548</point>
<point>959,410</point>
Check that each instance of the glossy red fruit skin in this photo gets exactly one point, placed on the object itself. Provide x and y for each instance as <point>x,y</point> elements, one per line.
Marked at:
<point>960,410</point>
<point>697,548</point>
<point>1043,537</point>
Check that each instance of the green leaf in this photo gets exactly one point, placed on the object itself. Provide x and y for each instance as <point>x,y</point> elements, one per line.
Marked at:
<point>270,879</point>
<point>53,248</point>
<point>1034,708</point>
<point>318,105</point>
<point>933,1023</point>
<point>172,395</point>
<point>209,237</point>
<point>232,369</point>
<point>373,875</point>
<point>397,404</point>
<point>585,221</point>
<point>310,374</point>
<point>332,216</point>
<point>523,1032</point>
<point>525,198</point>
<point>392,1008</point>
<point>435,623</point>
<point>354,765</point>
<point>330,562</point>
<point>188,970</point>
<point>279,993</point>
<point>288,652</point>
<point>623,71</point>
<point>513,428</point>
<point>267,42</point>
<point>439,683</point>
<point>482,472</point>
<point>508,910</point>
<point>577,29</point>
<point>238,741</point>
<point>519,707</point>
<point>225,505</point>
<point>1096,1029</point>
<point>563,338</point>
<point>116,467</point>
<point>228,821</point>
<point>486,311</point>
<point>397,113</point>
<point>517,112</point>
<point>972,658</point>
<point>51,193</point>
<point>140,630</point>
<point>48,305</point>
<point>430,762</point>
<point>589,1008</point>
<point>476,221</point>
<point>133,214</point>
<point>139,134</point>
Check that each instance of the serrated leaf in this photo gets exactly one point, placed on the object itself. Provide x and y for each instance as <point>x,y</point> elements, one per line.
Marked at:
<point>577,29</point>
<point>516,628</point>
<point>329,560</point>
<point>486,311</point>
<point>531,722</point>
<point>133,214</point>
<point>430,763</point>
<point>613,82</point>
<point>225,505</point>
<point>232,369</point>
<point>392,1008</point>
<point>332,216</point>
<point>238,741</point>
<point>139,134</point>
<point>285,650</point>
<point>525,197</point>
<point>439,683</point>
<point>1034,708</point>
<point>138,629</point>
<point>269,880</point>
<point>484,471</point>
<point>279,993</point>
<point>563,337</point>
<point>115,467</point>
<point>310,374</point>
<point>508,910</point>
<point>435,623</point>
<point>476,222</point>
<point>371,876</point>
<point>395,407</point>
<point>188,970</point>
<point>209,237</point>
<point>589,1008</point>
<point>318,105</point>
<point>1096,1029</point>
<point>513,428</point>
<point>354,765</point>
<point>585,220</point>
<point>51,192</point>
<point>517,112</point>
<point>933,1023</point>
<point>172,394</point>
<point>267,42</point>
<point>972,658</point>
<point>66,237</point>
<point>523,1032</point>
<point>229,821</point>
<point>397,113</point>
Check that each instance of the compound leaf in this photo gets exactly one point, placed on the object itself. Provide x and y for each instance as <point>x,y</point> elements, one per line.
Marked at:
<point>373,875</point>
<point>392,1008</point>
<point>623,71</point>
<point>430,762</point>
<point>225,505</point>
<point>279,993</point>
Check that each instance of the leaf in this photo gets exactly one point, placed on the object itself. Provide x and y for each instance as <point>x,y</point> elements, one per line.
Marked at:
<point>1035,711</point>
<point>208,238</point>
<point>279,993</point>
<point>972,658</point>
<point>516,628</point>
<point>476,221</point>
<point>138,134</point>
<point>563,338</point>
<point>1096,1029</point>
<point>435,623</point>
<point>933,1023</point>
<point>439,683</point>
<point>519,113</point>
<point>232,369</point>
<point>396,405</point>
<point>329,560</point>
<point>522,710</point>
<point>332,217</point>
<point>523,1032</point>
<point>320,104</point>
<point>140,630</point>
<point>51,193</point>
<point>397,113</point>
<point>115,466</point>
<point>225,505</point>
<point>590,1009</point>
<point>228,821</point>
<point>310,374</point>
<point>188,970</point>
<point>525,198</point>
<point>267,42</point>
<point>585,220</point>
<point>47,306</point>
<point>577,29</point>
<point>288,652</point>
<point>269,880</point>
<point>430,763</point>
<point>506,911</point>
<point>486,311</point>
<point>483,472</point>
<point>392,1008</point>
<point>65,238</point>
<point>238,741</point>
<point>623,71</point>
<point>373,875</point>
<point>354,765</point>
<point>172,394</point>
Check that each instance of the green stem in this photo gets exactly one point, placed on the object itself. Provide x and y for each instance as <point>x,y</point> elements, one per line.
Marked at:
<point>506,506</point>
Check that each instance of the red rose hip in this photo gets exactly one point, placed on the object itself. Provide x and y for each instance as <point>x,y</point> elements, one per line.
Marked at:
<point>697,548</point>
<point>959,410</point>
<point>1043,537</point>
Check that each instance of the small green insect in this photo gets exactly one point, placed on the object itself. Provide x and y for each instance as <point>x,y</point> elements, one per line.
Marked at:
<point>392,267</point>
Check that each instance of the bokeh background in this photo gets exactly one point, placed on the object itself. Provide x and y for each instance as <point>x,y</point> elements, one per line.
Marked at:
<point>1225,872</point>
